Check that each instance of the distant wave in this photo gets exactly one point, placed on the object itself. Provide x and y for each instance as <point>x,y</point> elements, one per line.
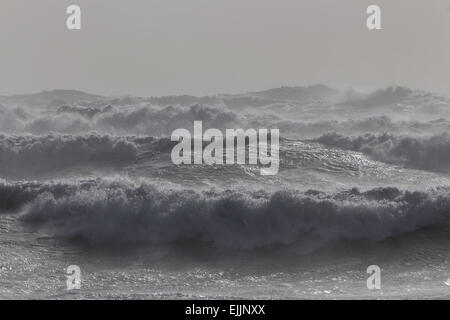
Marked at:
<point>379,124</point>
<point>118,211</point>
<point>24,155</point>
<point>142,118</point>
<point>136,120</point>
<point>428,153</point>
<point>385,96</point>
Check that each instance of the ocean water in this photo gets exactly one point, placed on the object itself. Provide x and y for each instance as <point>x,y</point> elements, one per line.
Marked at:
<point>88,181</point>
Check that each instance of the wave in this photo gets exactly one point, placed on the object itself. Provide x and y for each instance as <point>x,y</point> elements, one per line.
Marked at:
<point>385,96</point>
<point>121,212</point>
<point>143,118</point>
<point>135,120</point>
<point>427,153</point>
<point>28,155</point>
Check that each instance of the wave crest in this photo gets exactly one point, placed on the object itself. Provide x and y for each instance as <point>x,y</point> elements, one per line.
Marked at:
<point>101,211</point>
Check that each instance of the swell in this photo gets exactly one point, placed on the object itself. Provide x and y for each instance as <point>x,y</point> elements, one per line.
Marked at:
<point>21,156</point>
<point>428,153</point>
<point>122,212</point>
<point>134,120</point>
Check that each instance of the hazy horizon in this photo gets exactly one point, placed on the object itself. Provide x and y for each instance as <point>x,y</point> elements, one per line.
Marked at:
<point>200,47</point>
<point>362,89</point>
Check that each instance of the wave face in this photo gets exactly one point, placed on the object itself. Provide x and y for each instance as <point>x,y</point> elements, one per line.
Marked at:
<point>21,156</point>
<point>119,211</point>
<point>427,153</point>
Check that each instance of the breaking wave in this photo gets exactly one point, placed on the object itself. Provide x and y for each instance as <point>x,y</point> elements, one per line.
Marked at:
<point>146,119</point>
<point>121,212</point>
<point>427,153</point>
<point>136,120</point>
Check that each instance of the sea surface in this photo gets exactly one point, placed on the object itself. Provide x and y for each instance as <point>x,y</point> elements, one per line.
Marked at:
<point>364,180</point>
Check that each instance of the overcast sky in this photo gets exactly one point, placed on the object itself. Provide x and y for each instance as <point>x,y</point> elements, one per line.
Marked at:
<point>162,47</point>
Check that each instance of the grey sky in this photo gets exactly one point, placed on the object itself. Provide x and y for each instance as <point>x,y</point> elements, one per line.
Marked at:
<point>161,47</point>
